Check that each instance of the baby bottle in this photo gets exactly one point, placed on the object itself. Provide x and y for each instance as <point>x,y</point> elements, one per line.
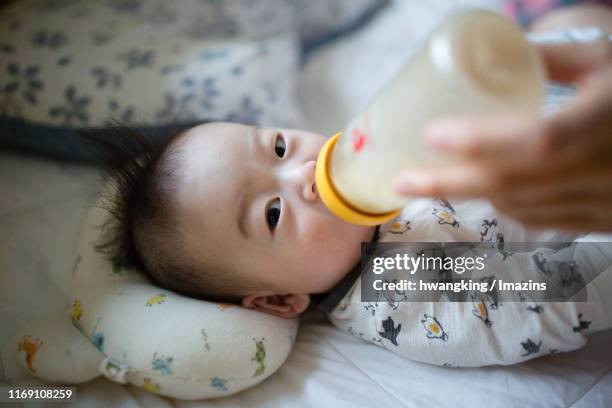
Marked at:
<point>476,62</point>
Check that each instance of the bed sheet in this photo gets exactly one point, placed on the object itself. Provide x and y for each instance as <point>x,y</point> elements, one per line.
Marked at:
<point>42,202</point>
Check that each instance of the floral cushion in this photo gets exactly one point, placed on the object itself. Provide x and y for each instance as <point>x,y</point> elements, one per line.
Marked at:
<point>65,64</point>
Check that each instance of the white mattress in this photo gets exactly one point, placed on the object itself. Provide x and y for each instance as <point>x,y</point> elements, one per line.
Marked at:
<point>41,203</point>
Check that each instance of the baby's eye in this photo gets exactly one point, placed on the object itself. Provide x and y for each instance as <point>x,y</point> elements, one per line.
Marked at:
<point>279,146</point>
<point>273,212</point>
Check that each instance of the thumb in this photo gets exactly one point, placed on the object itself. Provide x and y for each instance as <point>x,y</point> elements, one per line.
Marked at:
<point>571,62</point>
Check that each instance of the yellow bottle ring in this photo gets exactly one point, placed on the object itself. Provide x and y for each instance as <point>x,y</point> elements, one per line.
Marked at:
<point>333,201</point>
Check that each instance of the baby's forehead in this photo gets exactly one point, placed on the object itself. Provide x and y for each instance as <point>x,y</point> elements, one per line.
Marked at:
<point>219,128</point>
<point>211,153</point>
<point>214,136</point>
<point>208,179</point>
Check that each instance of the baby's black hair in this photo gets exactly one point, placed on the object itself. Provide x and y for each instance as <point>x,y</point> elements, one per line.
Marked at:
<point>142,230</point>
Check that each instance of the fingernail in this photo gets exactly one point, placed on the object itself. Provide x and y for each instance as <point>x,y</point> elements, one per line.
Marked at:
<point>413,183</point>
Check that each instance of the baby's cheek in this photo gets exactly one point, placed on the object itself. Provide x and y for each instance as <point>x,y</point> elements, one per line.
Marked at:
<point>337,252</point>
<point>329,241</point>
<point>312,226</point>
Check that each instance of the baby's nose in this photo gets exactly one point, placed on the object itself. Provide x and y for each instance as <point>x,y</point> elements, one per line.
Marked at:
<point>304,178</point>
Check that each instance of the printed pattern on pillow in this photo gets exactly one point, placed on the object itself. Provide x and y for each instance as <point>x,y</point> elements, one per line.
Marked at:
<point>71,64</point>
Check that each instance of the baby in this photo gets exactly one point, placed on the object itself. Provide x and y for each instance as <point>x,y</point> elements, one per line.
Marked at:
<point>230,212</point>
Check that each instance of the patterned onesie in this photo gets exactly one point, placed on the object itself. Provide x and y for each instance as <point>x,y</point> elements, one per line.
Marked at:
<point>483,331</point>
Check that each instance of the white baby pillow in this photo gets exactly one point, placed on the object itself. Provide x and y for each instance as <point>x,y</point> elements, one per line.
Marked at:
<point>122,326</point>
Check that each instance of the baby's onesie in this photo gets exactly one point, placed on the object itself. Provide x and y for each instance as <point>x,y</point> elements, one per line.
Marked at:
<point>481,331</point>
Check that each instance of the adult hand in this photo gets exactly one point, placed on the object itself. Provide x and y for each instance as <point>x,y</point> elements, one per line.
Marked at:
<point>553,172</point>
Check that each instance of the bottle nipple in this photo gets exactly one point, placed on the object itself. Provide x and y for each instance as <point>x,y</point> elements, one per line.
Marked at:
<point>333,200</point>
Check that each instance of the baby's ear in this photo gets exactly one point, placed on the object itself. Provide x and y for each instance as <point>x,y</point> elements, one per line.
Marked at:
<point>286,306</point>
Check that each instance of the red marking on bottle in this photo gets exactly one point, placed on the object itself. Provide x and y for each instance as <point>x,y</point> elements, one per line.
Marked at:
<point>359,140</point>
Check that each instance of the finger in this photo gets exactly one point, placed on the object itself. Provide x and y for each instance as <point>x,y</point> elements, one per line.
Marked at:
<point>491,138</point>
<point>574,222</point>
<point>598,208</point>
<point>586,122</point>
<point>592,185</point>
<point>457,181</point>
<point>537,202</point>
<point>571,225</point>
<point>570,62</point>
<point>517,143</point>
<point>556,218</point>
<point>575,137</point>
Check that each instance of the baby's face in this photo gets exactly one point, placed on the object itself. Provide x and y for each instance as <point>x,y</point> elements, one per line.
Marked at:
<point>248,204</point>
